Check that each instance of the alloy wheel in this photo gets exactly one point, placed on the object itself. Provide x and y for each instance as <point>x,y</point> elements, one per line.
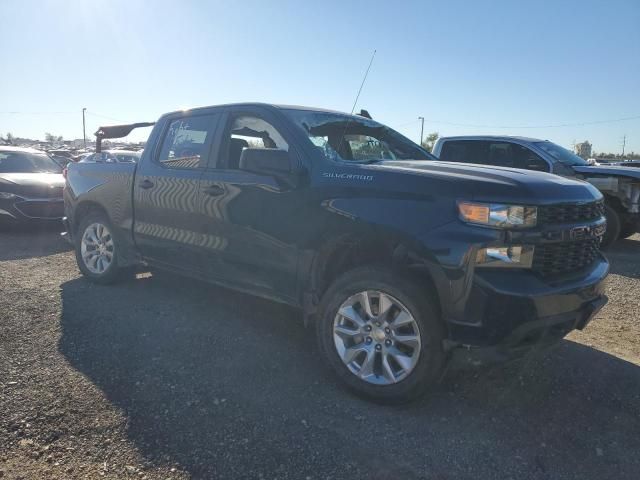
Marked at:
<point>377,337</point>
<point>97,248</point>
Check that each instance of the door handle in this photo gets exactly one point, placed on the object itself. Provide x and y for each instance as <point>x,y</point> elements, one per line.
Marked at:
<point>214,190</point>
<point>146,183</point>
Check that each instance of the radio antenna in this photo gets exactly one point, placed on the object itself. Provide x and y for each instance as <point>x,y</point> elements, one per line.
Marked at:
<point>363,80</point>
<point>346,126</point>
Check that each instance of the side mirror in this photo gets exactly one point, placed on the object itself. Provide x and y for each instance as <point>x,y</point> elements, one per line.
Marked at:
<point>269,161</point>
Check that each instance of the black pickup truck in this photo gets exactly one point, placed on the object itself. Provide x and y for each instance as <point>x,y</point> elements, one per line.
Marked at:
<point>398,260</point>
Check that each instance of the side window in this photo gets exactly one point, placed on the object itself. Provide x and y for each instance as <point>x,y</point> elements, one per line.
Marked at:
<point>501,154</point>
<point>466,151</point>
<point>187,140</point>
<point>529,160</point>
<point>248,131</point>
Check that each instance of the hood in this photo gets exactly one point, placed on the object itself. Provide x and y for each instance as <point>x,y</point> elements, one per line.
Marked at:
<point>32,184</point>
<point>493,184</point>
<point>611,170</point>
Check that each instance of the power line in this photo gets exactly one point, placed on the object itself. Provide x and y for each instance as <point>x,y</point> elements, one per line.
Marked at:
<point>558,125</point>
<point>14,112</point>
<point>106,117</point>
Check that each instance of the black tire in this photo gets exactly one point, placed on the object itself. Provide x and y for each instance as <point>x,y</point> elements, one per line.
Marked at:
<point>415,297</point>
<point>628,230</point>
<point>112,273</point>
<point>613,226</point>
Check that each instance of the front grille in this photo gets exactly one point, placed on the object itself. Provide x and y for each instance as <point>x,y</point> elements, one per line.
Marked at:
<point>53,209</point>
<point>570,213</point>
<point>557,258</point>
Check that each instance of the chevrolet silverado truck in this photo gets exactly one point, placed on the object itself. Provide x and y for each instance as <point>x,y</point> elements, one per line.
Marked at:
<point>398,260</point>
<point>619,184</point>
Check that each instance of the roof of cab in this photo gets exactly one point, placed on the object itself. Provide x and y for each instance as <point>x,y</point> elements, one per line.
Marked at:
<point>493,137</point>
<point>260,104</point>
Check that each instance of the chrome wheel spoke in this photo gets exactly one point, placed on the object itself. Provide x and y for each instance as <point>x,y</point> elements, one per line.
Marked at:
<point>351,314</point>
<point>402,319</point>
<point>345,331</point>
<point>92,236</point>
<point>351,353</point>
<point>384,304</point>
<point>366,369</point>
<point>412,341</point>
<point>93,261</point>
<point>365,303</point>
<point>401,358</point>
<point>387,371</point>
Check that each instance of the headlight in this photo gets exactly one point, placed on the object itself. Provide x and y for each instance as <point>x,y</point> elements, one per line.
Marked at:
<point>498,215</point>
<point>518,256</point>
<point>7,196</point>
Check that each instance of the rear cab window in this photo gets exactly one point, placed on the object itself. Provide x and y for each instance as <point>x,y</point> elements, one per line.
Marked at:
<point>465,151</point>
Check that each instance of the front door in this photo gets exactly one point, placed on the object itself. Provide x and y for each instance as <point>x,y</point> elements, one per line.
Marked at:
<point>250,219</point>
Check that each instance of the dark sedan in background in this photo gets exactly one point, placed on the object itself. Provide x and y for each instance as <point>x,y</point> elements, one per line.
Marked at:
<point>31,184</point>
<point>113,156</point>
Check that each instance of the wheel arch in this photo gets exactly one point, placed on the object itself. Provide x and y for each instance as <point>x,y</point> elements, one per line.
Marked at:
<point>82,210</point>
<point>340,253</point>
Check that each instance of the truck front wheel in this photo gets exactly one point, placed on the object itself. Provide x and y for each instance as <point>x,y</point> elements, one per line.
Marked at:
<point>97,248</point>
<point>379,331</point>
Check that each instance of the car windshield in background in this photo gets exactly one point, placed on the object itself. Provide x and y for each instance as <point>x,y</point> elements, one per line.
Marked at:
<point>25,162</point>
<point>126,157</point>
<point>355,139</point>
<point>561,154</point>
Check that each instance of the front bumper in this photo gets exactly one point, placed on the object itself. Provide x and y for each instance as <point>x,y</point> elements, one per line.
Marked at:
<point>67,234</point>
<point>518,309</point>
<point>31,209</point>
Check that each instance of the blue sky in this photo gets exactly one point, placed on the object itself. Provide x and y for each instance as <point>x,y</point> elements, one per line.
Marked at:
<point>490,65</point>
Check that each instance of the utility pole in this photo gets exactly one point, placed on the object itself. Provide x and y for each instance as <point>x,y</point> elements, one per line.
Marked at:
<point>421,129</point>
<point>624,143</point>
<point>84,131</point>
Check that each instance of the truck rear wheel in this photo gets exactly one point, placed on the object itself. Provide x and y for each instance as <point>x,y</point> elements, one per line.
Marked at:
<point>97,249</point>
<point>613,226</point>
<point>379,331</point>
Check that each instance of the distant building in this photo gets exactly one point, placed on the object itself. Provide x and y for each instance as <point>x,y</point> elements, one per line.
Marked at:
<point>583,149</point>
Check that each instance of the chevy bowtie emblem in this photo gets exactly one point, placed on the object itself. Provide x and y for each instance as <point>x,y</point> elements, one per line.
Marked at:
<point>581,233</point>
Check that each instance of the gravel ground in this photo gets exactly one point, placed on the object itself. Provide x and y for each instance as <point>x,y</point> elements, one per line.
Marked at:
<point>163,377</point>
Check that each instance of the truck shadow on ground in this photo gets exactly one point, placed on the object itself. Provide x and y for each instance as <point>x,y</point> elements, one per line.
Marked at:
<point>227,385</point>
<point>31,241</point>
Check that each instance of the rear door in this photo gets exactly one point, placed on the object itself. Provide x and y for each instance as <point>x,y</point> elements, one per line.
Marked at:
<point>166,191</point>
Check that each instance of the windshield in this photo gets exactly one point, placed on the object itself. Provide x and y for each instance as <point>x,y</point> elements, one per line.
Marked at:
<point>27,162</point>
<point>561,154</point>
<point>355,139</point>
